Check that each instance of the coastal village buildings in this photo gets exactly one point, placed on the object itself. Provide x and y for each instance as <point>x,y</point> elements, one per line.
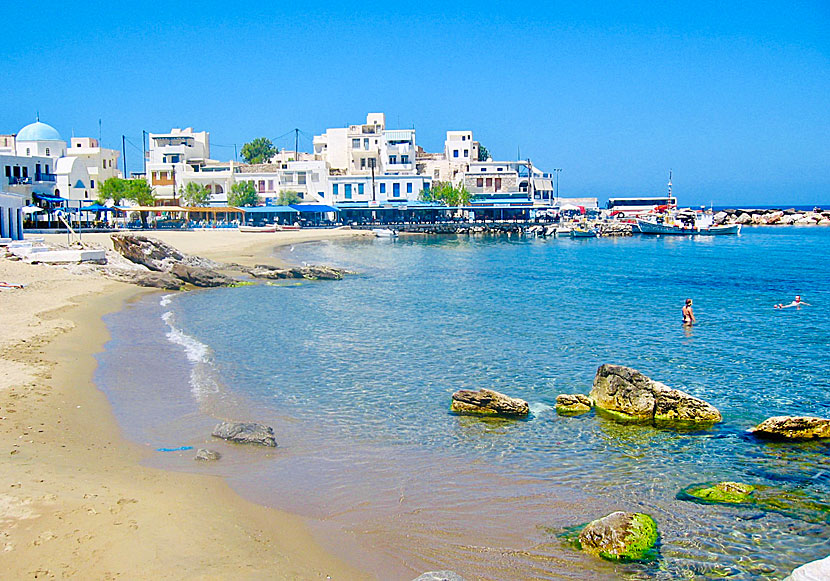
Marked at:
<point>40,166</point>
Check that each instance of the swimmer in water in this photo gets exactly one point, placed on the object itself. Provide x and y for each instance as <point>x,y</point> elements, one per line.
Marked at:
<point>796,303</point>
<point>688,313</point>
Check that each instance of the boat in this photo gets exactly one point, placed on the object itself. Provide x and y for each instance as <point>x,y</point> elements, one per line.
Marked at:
<point>268,228</point>
<point>384,232</point>
<point>584,232</point>
<point>672,228</point>
<point>289,227</point>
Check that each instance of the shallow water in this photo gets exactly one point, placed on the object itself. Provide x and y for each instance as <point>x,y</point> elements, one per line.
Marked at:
<point>356,377</point>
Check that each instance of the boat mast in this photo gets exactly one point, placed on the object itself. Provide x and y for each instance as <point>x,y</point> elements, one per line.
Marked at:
<point>670,204</point>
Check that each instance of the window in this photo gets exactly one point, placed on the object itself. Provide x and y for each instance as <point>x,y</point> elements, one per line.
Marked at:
<point>362,163</point>
<point>261,186</point>
<point>409,187</point>
<point>463,138</point>
<point>47,151</point>
<point>92,184</point>
<point>489,182</point>
<point>270,185</point>
<point>47,168</point>
<point>426,186</point>
<point>28,151</point>
<point>8,171</point>
<point>382,188</point>
<point>498,184</point>
<point>396,190</point>
<point>466,153</point>
<point>78,145</point>
<point>479,182</point>
<point>393,159</point>
<point>104,164</point>
<point>301,178</point>
<point>347,188</point>
<point>366,143</point>
<point>334,189</point>
<point>499,168</point>
<point>455,153</point>
<point>25,171</point>
<point>355,144</point>
<point>360,189</point>
<point>404,159</point>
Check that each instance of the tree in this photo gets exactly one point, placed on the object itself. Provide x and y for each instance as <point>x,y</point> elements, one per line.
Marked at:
<point>194,194</point>
<point>114,189</point>
<point>260,150</point>
<point>447,193</point>
<point>288,197</point>
<point>483,154</point>
<point>243,194</point>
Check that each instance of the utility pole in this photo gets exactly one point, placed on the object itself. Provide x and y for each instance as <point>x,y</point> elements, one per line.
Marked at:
<point>296,143</point>
<point>144,150</point>
<point>372,165</point>
<point>100,140</point>
<point>556,182</point>
<point>235,156</point>
<point>124,155</point>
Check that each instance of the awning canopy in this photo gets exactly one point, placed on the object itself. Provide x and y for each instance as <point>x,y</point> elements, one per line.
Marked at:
<point>213,209</point>
<point>31,209</point>
<point>97,208</point>
<point>313,208</point>
<point>270,210</point>
<point>48,197</point>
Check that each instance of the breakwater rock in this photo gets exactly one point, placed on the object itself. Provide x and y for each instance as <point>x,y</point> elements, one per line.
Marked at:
<point>749,217</point>
<point>615,229</point>
<point>246,433</point>
<point>620,536</point>
<point>573,404</point>
<point>627,395</point>
<point>792,428</point>
<point>812,571</point>
<point>486,402</point>
<point>311,272</point>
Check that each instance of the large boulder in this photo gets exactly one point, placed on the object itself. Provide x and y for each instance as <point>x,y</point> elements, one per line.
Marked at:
<point>310,272</point>
<point>153,253</point>
<point>620,536</point>
<point>812,571</point>
<point>486,402</point>
<point>627,394</point>
<point>793,428</point>
<point>200,276</point>
<point>744,219</point>
<point>573,404</point>
<point>246,433</point>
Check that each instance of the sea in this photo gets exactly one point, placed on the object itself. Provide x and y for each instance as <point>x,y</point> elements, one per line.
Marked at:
<point>356,378</point>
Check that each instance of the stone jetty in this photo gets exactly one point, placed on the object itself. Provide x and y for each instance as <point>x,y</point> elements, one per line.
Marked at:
<point>790,217</point>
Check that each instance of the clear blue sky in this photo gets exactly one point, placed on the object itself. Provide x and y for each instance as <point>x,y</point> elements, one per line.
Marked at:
<point>734,99</point>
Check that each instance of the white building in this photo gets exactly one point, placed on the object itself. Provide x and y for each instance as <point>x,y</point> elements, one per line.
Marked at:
<point>450,166</point>
<point>11,216</point>
<point>100,163</point>
<point>172,154</point>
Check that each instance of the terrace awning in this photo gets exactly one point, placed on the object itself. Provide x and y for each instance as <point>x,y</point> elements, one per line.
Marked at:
<point>270,210</point>
<point>313,208</point>
<point>97,208</point>
<point>48,197</point>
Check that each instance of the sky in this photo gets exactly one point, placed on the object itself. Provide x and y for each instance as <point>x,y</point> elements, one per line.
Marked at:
<point>734,100</point>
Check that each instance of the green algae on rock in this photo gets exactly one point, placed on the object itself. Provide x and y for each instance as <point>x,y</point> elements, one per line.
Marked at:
<point>621,536</point>
<point>794,504</point>
<point>572,405</point>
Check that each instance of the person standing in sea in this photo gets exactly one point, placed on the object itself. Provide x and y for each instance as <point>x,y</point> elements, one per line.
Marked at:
<point>688,313</point>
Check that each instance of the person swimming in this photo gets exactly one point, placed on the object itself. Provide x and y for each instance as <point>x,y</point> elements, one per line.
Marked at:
<point>796,303</point>
<point>688,313</point>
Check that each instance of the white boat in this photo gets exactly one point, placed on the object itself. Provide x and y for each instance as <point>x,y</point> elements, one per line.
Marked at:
<point>269,228</point>
<point>584,232</point>
<point>384,232</point>
<point>652,226</point>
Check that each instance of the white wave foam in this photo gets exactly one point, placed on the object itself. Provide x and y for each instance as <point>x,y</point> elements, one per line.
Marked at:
<point>538,408</point>
<point>203,380</point>
<point>166,300</point>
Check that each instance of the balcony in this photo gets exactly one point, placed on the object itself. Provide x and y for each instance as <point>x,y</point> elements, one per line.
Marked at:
<point>46,177</point>
<point>19,181</point>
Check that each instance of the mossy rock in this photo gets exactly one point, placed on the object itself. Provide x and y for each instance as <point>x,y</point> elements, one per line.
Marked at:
<point>794,504</point>
<point>573,405</point>
<point>621,536</point>
<point>723,493</point>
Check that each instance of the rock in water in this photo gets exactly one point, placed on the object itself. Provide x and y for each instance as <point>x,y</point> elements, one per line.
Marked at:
<point>199,276</point>
<point>246,433</point>
<point>627,394</point>
<point>813,571</point>
<point>567,404</point>
<point>207,455</point>
<point>620,536</point>
<point>439,576</point>
<point>486,402</point>
<point>793,428</point>
<point>722,492</point>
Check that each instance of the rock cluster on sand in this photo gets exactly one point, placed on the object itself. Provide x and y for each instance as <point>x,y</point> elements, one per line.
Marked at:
<point>793,428</point>
<point>486,402</point>
<point>628,395</point>
<point>309,272</point>
<point>246,433</point>
<point>620,536</point>
<point>573,404</point>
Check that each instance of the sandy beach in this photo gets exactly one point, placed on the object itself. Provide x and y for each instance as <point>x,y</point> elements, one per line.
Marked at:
<point>75,502</point>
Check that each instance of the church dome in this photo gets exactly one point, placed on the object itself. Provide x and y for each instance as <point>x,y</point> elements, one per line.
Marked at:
<point>38,131</point>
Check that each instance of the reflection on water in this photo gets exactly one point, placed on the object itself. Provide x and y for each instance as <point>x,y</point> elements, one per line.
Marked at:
<point>356,377</point>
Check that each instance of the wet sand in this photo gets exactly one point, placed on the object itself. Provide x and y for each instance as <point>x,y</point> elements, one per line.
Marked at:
<point>75,500</point>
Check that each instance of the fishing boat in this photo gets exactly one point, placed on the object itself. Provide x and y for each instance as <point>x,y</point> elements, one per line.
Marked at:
<point>268,228</point>
<point>384,232</point>
<point>672,228</point>
<point>288,227</point>
<point>584,232</point>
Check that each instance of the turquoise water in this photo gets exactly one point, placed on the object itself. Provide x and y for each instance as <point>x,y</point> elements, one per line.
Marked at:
<point>356,377</point>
